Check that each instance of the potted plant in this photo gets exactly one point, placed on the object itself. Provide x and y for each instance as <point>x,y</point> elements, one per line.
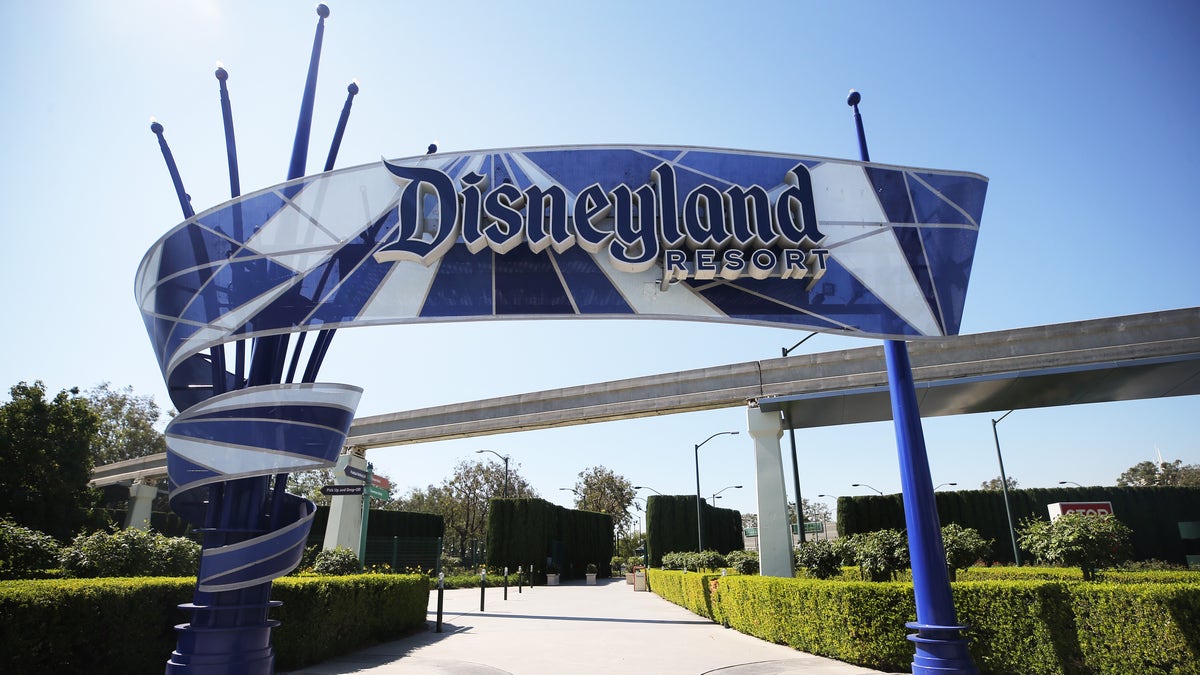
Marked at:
<point>552,574</point>
<point>591,574</point>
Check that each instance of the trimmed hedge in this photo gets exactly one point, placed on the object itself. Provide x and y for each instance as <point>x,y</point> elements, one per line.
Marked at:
<point>671,526</point>
<point>324,617</point>
<point>1153,513</point>
<point>1029,626</point>
<point>522,532</point>
<point>52,625</point>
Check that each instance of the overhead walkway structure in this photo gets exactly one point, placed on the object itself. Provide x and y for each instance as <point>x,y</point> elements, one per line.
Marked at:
<point>1154,355</point>
<point>1141,356</point>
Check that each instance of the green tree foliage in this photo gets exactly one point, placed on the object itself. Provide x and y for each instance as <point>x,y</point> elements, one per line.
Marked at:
<point>45,449</point>
<point>599,489</point>
<point>130,553</point>
<point>126,429</point>
<point>743,562</point>
<point>964,546</point>
<point>1151,474</point>
<point>25,552</point>
<point>997,484</point>
<point>880,555</point>
<point>819,559</point>
<point>1088,542</point>
<point>462,500</point>
<point>337,562</point>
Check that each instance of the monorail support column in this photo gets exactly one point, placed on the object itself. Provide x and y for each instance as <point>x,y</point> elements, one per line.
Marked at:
<point>344,528</point>
<point>774,539</point>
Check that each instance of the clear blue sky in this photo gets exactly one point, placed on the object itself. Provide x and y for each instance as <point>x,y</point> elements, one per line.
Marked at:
<point>1082,114</point>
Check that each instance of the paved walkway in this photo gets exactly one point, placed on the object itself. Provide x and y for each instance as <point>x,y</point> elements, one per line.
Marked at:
<point>575,628</point>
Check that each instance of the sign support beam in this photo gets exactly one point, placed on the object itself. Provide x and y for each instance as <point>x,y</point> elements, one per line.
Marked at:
<point>940,647</point>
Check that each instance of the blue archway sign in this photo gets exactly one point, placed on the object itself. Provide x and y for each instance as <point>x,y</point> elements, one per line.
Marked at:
<point>661,232</point>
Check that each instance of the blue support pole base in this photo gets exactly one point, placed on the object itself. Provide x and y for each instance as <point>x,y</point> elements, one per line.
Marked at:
<point>229,638</point>
<point>939,646</point>
<point>939,650</point>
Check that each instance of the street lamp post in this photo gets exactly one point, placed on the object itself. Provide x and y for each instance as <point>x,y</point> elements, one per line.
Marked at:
<point>1070,482</point>
<point>944,485</point>
<point>792,440</point>
<point>645,487</point>
<point>717,494</point>
<point>879,492</point>
<point>699,516</point>
<point>1004,487</point>
<point>505,458</point>
<point>582,503</point>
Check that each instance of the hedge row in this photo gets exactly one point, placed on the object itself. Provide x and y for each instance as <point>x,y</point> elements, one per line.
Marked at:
<point>1153,513</point>
<point>1040,573</point>
<point>126,625</point>
<point>671,526</point>
<point>1033,627</point>
<point>528,531</point>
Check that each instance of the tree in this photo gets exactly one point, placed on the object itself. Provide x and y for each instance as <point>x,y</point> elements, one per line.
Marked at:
<point>814,512</point>
<point>599,489</point>
<point>126,429</point>
<point>309,483</point>
<point>1089,542</point>
<point>995,484</point>
<point>1147,474</point>
<point>462,500</point>
<point>45,449</point>
<point>963,546</point>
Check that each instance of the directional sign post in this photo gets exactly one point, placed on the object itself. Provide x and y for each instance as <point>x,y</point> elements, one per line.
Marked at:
<point>378,492</point>
<point>336,490</point>
<point>355,472</point>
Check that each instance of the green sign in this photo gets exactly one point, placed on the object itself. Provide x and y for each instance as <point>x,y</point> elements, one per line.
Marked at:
<point>378,493</point>
<point>751,531</point>
<point>811,528</point>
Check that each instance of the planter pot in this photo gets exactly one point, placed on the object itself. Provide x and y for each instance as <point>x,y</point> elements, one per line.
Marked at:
<point>551,579</point>
<point>591,578</point>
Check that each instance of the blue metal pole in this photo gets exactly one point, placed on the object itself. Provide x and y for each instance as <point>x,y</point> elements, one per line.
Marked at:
<point>940,647</point>
<point>235,190</point>
<point>317,356</point>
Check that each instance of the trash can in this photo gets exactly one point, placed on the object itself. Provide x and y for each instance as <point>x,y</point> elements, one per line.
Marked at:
<point>639,580</point>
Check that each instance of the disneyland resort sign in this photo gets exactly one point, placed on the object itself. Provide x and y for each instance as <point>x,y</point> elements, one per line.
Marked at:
<point>710,233</point>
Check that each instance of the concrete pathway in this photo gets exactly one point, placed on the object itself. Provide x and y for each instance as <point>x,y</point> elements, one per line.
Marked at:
<point>575,628</point>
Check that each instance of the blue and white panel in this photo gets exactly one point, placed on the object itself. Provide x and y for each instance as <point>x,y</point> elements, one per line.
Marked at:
<point>889,255</point>
<point>248,433</point>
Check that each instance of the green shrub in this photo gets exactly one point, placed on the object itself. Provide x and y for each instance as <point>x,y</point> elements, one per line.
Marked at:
<point>338,561</point>
<point>857,622</point>
<point>323,617</point>
<point>675,560</point>
<point>818,559</point>
<point>1120,576</point>
<point>1088,542</point>
<point>1034,627</point>
<point>25,552</point>
<point>130,553</point>
<point>686,589</point>
<point>119,626</point>
<point>964,546</point>
<point>706,560</point>
<point>743,562</point>
<point>1138,628</point>
<point>881,555</point>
